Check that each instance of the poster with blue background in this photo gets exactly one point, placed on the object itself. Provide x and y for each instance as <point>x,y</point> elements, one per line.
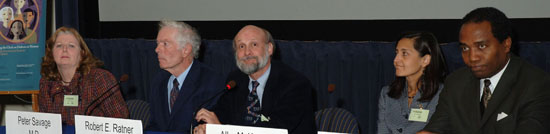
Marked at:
<point>22,42</point>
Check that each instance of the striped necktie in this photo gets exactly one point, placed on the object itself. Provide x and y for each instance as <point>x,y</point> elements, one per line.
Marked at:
<point>174,94</point>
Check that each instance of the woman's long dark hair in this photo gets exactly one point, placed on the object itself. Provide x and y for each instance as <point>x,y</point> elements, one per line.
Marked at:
<point>434,74</point>
<point>22,35</point>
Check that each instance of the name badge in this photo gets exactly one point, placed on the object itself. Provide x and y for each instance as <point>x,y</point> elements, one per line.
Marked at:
<point>420,115</point>
<point>70,101</point>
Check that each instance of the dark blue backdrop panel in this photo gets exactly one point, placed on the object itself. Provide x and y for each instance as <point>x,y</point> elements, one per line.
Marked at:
<point>357,69</point>
<point>66,12</point>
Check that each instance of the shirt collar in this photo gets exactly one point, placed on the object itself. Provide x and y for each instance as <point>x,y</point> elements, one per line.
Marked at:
<point>494,79</point>
<point>180,77</point>
<point>263,81</point>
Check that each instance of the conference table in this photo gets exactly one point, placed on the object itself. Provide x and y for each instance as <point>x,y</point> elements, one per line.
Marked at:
<point>70,130</point>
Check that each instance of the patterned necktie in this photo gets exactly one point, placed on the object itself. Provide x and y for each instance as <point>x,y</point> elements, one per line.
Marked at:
<point>174,94</point>
<point>253,109</point>
<point>486,95</point>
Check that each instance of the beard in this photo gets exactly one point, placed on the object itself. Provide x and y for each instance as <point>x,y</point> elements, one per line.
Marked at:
<point>254,67</point>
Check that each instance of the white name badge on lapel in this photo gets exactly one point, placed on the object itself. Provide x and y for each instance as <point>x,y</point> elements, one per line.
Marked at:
<point>420,115</point>
<point>104,125</point>
<point>32,123</point>
<point>234,129</point>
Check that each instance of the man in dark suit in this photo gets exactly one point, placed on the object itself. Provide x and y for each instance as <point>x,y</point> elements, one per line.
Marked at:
<point>268,94</point>
<point>498,93</point>
<point>183,84</point>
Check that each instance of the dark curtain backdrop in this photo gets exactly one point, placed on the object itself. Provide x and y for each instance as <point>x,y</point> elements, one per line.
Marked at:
<point>357,69</point>
<point>66,13</point>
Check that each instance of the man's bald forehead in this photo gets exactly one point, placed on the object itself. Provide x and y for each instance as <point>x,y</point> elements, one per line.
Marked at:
<point>252,28</point>
<point>254,31</point>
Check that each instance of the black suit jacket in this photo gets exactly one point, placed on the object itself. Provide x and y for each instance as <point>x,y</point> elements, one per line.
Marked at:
<point>523,93</point>
<point>287,101</point>
<point>201,83</point>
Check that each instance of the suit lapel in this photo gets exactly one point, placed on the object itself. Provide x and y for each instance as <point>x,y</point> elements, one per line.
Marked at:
<point>473,104</point>
<point>188,88</point>
<point>241,98</point>
<point>163,94</point>
<point>502,89</point>
<point>270,90</point>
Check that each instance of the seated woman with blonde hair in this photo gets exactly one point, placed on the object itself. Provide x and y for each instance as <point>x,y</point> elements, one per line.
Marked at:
<point>72,82</point>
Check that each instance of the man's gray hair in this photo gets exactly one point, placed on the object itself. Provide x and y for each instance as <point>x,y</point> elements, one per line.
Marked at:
<point>269,38</point>
<point>187,34</point>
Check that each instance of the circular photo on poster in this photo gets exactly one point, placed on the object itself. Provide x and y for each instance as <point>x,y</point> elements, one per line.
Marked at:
<point>19,19</point>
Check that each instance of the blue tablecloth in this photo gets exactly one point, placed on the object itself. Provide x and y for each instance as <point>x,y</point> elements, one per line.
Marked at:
<point>70,130</point>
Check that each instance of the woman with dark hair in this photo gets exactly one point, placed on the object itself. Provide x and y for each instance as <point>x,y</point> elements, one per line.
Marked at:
<point>72,82</point>
<point>407,104</point>
<point>17,30</point>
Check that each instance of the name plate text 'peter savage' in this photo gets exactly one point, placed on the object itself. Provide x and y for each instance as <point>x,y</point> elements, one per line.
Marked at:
<point>32,123</point>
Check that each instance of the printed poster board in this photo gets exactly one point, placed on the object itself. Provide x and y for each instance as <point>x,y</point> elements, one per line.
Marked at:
<point>22,42</point>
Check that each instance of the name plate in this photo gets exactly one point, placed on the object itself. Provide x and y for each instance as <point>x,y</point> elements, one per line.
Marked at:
<point>104,125</point>
<point>32,123</point>
<point>234,129</point>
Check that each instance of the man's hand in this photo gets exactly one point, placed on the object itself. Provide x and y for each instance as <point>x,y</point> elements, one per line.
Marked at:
<point>206,116</point>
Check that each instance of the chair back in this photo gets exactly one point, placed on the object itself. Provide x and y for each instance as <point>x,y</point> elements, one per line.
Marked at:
<point>139,110</point>
<point>336,120</point>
